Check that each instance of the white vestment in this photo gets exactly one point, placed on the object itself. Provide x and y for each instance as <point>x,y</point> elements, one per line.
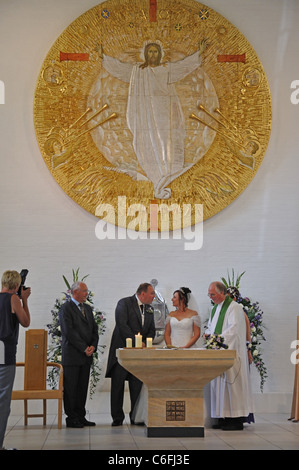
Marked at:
<point>231,392</point>
<point>155,117</point>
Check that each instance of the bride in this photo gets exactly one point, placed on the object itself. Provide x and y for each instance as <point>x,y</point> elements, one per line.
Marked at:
<point>182,330</point>
<point>183,325</point>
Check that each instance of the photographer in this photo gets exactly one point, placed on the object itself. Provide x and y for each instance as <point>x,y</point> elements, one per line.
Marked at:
<point>13,311</point>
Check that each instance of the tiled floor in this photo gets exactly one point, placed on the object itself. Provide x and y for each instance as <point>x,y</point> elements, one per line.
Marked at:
<point>269,432</point>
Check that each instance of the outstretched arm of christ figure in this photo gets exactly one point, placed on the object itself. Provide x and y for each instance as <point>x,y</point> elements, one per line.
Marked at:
<point>116,68</point>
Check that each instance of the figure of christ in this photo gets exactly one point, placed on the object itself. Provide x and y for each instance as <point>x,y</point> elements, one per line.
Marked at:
<point>154,113</point>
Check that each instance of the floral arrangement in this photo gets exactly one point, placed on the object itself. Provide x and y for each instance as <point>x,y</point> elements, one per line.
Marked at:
<point>150,310</point>
<point>54,349</point>
<point>255,316</point>
<point>215,342</point>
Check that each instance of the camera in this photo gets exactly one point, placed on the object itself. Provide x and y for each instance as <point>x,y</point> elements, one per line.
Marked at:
<point>23,275</point>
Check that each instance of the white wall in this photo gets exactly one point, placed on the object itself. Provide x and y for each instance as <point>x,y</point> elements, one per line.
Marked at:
<point>43,230</point>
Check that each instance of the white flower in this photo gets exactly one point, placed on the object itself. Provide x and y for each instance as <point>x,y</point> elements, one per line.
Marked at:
<point>255,352</point>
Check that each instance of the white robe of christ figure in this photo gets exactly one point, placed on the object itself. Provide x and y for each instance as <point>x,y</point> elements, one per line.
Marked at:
<point>154,113</point>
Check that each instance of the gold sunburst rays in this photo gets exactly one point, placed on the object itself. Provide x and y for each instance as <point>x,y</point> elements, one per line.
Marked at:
<point>92,183</point>
<point>216,184</point>
<point>97,164</point>
<point>243,143</point>
<point>59,142</point>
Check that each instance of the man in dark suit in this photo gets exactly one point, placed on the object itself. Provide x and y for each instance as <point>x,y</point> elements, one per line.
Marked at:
<point>79,341</point>
<point>129,321</point>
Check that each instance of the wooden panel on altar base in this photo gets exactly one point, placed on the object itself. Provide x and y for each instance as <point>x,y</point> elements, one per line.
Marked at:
<point>175,379</point>
<point>295,403</point>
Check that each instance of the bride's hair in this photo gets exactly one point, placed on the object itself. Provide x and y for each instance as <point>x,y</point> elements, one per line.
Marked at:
<point>184,294</point>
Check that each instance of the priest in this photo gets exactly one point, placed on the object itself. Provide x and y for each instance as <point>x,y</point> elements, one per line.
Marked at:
<point>231,398</point>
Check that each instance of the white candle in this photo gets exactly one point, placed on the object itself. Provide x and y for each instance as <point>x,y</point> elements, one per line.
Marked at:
<point>138,341</point>
<point>149,342</point>
<point>128,342</point>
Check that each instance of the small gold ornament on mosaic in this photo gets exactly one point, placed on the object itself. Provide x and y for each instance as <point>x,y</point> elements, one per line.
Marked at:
<point>155,101</point>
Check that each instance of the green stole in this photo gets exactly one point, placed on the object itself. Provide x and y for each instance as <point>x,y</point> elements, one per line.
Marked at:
<point>228,300</point>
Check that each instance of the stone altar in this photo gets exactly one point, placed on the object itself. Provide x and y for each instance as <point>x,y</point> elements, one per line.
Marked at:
<point>175,379</point>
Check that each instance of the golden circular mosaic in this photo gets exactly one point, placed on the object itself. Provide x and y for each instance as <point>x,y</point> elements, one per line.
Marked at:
<point>152,103</point>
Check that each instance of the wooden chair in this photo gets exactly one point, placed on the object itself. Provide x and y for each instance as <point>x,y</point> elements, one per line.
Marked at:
<point>35,376</point>
<point>295,403</point>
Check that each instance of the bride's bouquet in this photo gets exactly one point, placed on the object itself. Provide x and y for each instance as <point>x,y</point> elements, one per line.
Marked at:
<point>215,342</point>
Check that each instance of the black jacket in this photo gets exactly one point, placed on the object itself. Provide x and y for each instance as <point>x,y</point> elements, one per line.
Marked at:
<point>128,323</point>
<point>77,334</point>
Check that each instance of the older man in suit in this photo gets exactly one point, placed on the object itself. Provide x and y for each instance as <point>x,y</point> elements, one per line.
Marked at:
<point>133,315</point>
<point>79,341</point>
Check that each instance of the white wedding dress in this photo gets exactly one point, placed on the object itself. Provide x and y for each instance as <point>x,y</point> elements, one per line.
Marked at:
<point>181,332</point>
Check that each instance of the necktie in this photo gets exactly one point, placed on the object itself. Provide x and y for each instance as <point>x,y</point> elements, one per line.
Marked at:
<point>142,313</point>
<point>81,307</point>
